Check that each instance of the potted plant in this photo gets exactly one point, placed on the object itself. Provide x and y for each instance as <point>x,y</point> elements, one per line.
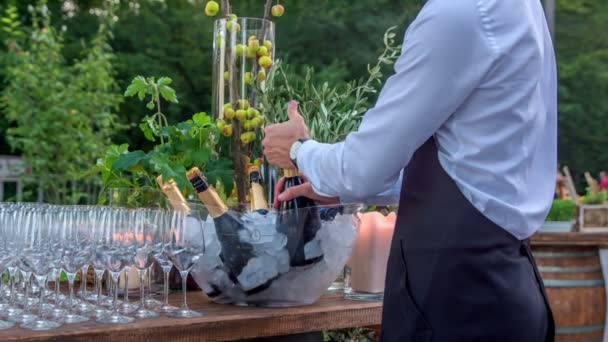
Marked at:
<point>561,216</point>
<point>593,211</point>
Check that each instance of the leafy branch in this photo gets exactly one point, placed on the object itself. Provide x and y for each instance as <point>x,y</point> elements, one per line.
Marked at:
<point>142,87</point>
<point>330,111</point>
<point>182,146</point>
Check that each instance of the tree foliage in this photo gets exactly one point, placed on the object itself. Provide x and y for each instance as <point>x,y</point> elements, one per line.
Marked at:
<point>582,53</point>
<point>337,40</point>
<point>62,116</point>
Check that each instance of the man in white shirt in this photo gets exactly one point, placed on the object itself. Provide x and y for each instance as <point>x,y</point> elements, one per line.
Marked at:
<point>472,112</point>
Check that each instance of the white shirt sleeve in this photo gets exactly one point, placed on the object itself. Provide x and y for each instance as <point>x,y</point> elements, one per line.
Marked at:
<point>444,57</point>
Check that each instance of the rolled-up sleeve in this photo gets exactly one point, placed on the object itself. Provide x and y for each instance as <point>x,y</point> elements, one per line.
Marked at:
<point>444,57</point>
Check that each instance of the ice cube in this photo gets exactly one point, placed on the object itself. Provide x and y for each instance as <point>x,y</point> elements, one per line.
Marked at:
<point>260,228</point>
<point>282,260</point>
<point>313,249</point>
<point>257,272</point>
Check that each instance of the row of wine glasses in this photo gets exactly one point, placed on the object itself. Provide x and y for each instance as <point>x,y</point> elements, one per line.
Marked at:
<point>39,243</point>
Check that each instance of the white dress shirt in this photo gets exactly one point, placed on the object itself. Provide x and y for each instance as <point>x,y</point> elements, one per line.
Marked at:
<point>479,76</point>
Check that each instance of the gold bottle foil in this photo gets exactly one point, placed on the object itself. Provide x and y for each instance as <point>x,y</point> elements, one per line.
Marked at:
<point>208,196</point>
<point>290,173</point>
<point>173,194</point>
<point>256,193</point>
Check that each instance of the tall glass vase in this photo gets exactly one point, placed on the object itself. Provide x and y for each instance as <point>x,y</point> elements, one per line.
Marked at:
<point>243,55</point>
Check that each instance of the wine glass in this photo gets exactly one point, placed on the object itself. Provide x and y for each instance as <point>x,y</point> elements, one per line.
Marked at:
<point>21,219</point>
<point>116,249</point>
<point>162,259</point>
<point>185,248</point>
<point>147,237</point>
<point>76,246</point>
<point>36,257</point>
<point>5,259</point>
<point>101,220</point>
<point>136,198</point>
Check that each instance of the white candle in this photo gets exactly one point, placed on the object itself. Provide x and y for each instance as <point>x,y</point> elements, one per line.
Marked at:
<point>133,279</point>
<point>370,252</point>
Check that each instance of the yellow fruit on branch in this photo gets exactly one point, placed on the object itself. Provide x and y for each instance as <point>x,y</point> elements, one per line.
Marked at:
<point>265,62</point>
<point>227,131</point>
<point>277,10</point>
<point>211,8</point>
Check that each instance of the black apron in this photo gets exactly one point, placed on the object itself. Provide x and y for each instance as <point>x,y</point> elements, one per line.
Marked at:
<point>454,275</point>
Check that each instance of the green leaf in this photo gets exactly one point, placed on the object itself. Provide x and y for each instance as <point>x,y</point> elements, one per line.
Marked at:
<point>198,157</point>
<point>164,81</point>
<point>138,86</point>
<point>128,160</point>
<point>167,93</point>
<point>170,170</point>
<point>201,119</point>
<point>145,128</point>
<point>221,170</point>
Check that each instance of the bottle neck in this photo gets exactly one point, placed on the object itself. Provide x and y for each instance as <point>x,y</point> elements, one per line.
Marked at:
<point>256,196</point>
<point>174,195</point>
<point>290,173</point>
<point>207,194</point>
<point>212,201</point>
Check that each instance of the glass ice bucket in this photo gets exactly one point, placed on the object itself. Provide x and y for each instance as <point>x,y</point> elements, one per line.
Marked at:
<point>275,259</point>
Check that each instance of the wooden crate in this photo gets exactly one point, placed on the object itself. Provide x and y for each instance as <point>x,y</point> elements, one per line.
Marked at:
<point>592,218</point>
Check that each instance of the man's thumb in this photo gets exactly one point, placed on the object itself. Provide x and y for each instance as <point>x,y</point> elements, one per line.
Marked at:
<point>292,110</point>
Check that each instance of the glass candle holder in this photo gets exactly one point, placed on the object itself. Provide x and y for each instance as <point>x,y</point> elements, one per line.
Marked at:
<point>243,56</point>
<point>366,271</point>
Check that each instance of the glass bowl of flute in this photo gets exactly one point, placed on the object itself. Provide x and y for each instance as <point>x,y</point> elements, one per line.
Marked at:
<point>268,257</point>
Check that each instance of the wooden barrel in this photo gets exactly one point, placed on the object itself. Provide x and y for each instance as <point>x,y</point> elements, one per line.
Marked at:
<point>575,286</point>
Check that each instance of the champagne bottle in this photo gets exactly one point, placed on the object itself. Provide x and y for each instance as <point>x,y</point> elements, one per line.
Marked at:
<point>299,220</point>
<point>235,253</point>
<point>257,200</point>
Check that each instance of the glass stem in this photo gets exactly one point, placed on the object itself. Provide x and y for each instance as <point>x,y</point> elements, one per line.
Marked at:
<point>115,294</point>
<point>12,299</point>
<point>110,283</point>
<point>57,290</point>
<point>26,307</point>
<point>149,281</point>
<point>115,300</point>
<point>126,295</point>
<point>83,280</point>
<point>184,275</point>
<point>41,281</point>
<point>166,285</point>
<point>142,276</point>
<point>98,280</point>
<point>71,278</point>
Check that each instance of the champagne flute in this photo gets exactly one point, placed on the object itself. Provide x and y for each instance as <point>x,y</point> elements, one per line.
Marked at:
<point>5,260</point>
<point>147,235</point>
<point>162,259</point>
<point>76,242</point>
<point>36,258</point>
<point>116,249</point>
<point>185,248</point>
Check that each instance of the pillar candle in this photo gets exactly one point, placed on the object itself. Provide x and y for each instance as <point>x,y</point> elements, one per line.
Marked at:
<point>133,279</point>
<point>370,252</point>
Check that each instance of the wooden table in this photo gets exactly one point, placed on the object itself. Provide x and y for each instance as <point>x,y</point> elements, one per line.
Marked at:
<point>219,323</point>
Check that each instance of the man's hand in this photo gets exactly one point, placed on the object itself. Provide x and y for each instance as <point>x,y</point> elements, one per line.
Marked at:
<point>278,138</point>
<point>303,190</point>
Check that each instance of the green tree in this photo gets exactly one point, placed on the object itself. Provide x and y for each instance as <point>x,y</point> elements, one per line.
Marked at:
<point>62,116</point>
<point>583,84</point>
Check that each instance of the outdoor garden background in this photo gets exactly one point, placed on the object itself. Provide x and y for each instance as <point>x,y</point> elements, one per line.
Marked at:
<point>64,67</point>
